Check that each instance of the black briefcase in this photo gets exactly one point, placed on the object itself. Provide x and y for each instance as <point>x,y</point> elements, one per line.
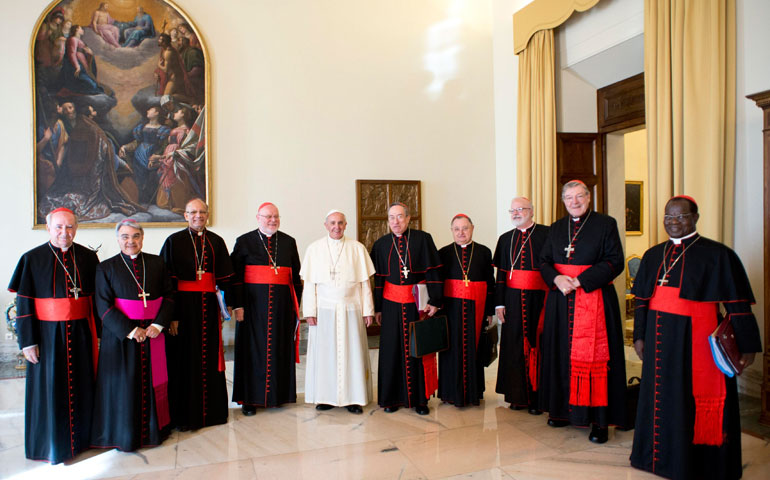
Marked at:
<point>488,340</point>
<point>632,402</point>
<point>429,335</point>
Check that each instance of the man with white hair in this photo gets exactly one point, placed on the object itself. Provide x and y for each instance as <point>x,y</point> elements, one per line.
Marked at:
<point>337,303</point>
<point>134,298</point>
<point>520,297</point>
<point>583,367</point>
<point>54,284</point>
<point>267,288</point>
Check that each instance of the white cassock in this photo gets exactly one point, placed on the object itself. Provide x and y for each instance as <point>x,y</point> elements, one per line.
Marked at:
<point>337,292</point>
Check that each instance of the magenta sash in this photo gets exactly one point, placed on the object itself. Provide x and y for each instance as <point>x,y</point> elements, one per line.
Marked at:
<point>135,310</point>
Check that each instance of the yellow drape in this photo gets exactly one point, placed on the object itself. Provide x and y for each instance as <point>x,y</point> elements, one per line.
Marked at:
<point>536,126</point>
<point>689,75</point>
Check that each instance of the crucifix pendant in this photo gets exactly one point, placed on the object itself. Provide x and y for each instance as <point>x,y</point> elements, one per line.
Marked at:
<point>200,273</point>
<point>465,279</point>
<point>663,281</point>
<point>332,273</point>
<point>275,268</point>
<point>143,296</point>
<point>569,249</point>
<point>405,271</point>
<point>75,291</point>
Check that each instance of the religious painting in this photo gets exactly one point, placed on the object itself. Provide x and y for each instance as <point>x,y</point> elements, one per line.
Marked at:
<point>120,92</point>
<point>634,207</point>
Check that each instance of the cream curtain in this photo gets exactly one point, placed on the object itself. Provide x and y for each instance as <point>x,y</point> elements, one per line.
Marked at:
<point>536,126</point>
<point>689,74</point>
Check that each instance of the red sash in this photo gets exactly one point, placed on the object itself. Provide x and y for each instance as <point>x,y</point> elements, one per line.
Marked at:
<point>205,284</point>
<point>708,383</point>
<point>530,280</point>
<point>135,310</point>
<point>403,294</point>
<point>590,350</point>
<point>265,275</point>
<point>526,280</point>
<point>65,309</point>
<point>475,291</point>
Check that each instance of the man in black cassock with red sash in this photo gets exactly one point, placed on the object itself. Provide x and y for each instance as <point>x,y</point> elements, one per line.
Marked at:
<point>403,259</point>
<point>466,267</point>
<point>687,423</point>
<point>520,297</point>
<point>267,289</point>
<point>199,263</point>
<point>583,368</point>
<point>134,298</point>
<point>54,286</point>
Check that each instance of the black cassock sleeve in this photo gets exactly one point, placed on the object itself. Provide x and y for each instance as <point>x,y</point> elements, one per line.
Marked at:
<point>238,259</point>
<point>745,326</point>
<point>27,323</point>
<point>433,275</point>
<point>499,287</point>
<point>489,277</point>
<point>610,263</point>
<point>114,321</point>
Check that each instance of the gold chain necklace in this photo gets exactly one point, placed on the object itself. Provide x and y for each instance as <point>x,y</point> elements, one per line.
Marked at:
<point>465,271</point>
<point>75,290</point>
<point>663,280</point>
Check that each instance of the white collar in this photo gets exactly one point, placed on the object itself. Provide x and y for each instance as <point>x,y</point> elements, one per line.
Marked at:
<point>677,241</point>
<point>463,246</point>
<point>133,257</point>
<point>265,234</point>
<point>524,229</point>
<point>334,240</point>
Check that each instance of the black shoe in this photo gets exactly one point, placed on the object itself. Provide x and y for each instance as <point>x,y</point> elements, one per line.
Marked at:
<point>323,406</point>
<point>249,410</point>
<point>517,407</point>
<point>598,434</point>
<point>534,411</point>
<point>391,409</point>
<point>422,409</point>
<point>355,409</point>
<point>557,423</point>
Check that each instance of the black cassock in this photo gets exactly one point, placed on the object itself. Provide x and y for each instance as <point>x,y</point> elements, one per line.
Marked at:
<point>125,411</point>
<point>461,375</point>
<point>707,272</point>
<point>597,245</point>
<point>401,378</point>
<point>60,387</point>
<point>196,375</point>
<point>264,373</point>
<point>523,308</point>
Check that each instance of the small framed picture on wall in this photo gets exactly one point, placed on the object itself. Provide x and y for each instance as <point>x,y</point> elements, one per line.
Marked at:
<point>634,207</point>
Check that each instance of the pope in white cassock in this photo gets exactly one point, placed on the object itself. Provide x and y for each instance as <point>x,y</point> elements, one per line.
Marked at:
<point>337,304</point>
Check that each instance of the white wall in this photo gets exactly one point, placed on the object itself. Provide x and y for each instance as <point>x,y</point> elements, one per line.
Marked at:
<point>308,97</point>
<point>753,76</point>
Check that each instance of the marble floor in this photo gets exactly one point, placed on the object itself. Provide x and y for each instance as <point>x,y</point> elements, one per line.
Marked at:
<point>485,442</point>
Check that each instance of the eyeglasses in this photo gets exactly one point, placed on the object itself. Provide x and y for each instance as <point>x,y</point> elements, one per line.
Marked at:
<point>197,212</point>
<point>519,210</point>
<point>270,217</point>
<point>678,218</point>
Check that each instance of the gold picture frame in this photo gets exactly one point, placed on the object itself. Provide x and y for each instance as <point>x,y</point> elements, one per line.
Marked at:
<point>634,207</point>
<point>121,112</point>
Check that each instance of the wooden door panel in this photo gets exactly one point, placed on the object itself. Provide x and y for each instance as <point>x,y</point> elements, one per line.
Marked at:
<point>579,156</point>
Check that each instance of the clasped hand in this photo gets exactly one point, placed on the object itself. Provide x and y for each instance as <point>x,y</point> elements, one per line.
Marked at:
<point>566,284</point>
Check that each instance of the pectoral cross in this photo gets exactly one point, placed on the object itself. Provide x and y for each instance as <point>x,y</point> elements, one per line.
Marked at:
<point>332,273</point>
<point>143,296</point>
<point>75,291</point>
<point>569,249</point>
<point>275,268</point>
<point>465,279</point>
<point>405,271</point>
<point>200,273</point>
<point>663,281</point>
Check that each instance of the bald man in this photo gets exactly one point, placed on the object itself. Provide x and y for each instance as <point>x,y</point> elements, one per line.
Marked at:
<point>54,284</point>
<point>267,289</point>
<point>520,297</point>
